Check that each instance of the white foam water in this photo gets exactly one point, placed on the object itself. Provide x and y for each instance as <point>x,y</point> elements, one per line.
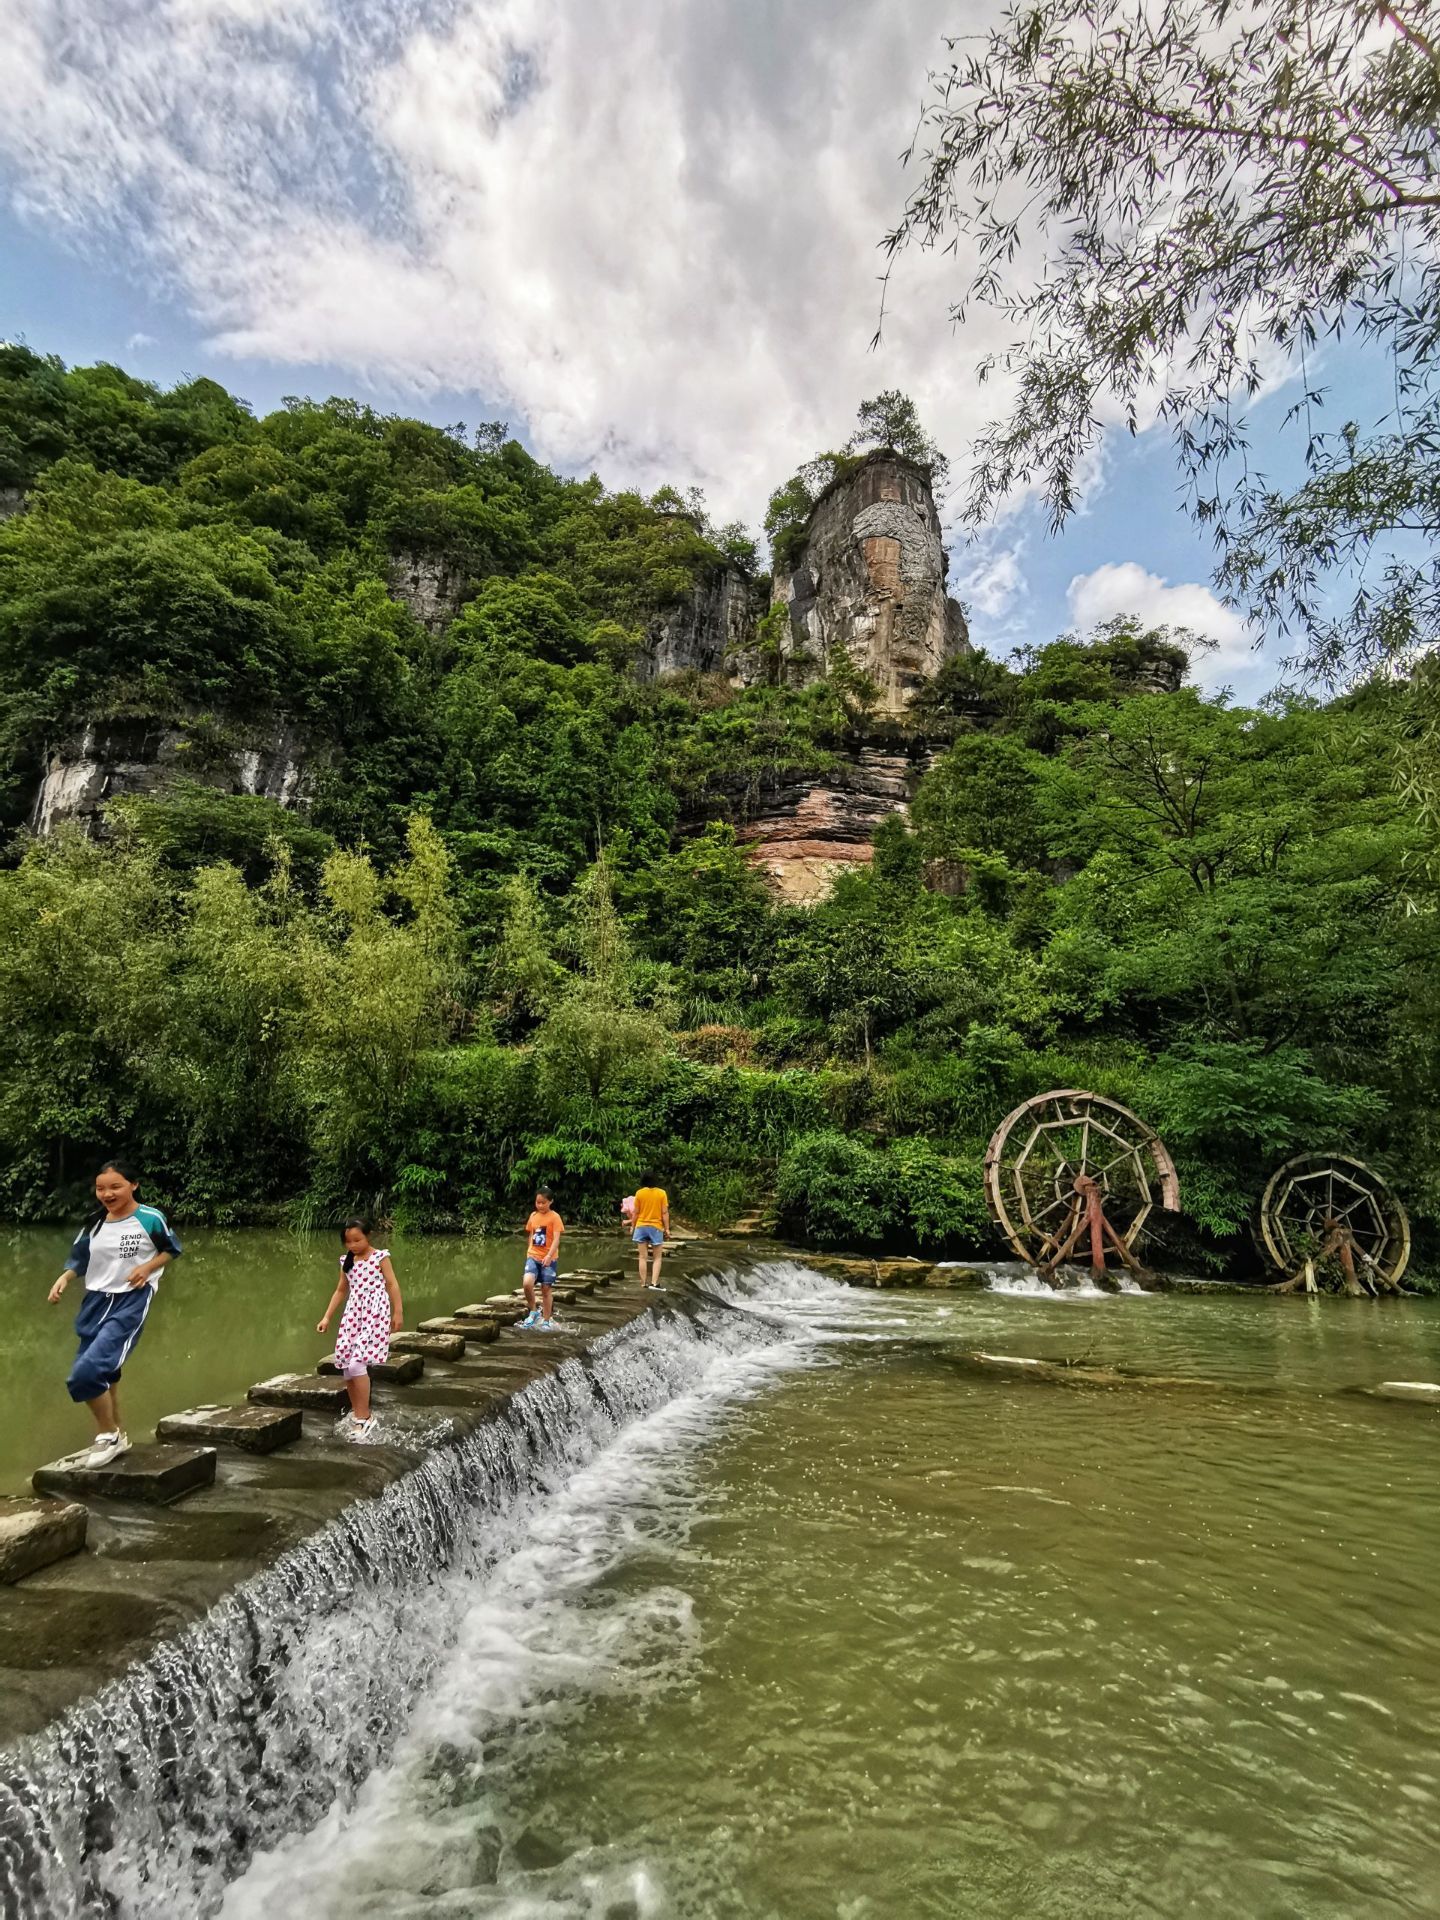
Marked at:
<point>419,1623</point>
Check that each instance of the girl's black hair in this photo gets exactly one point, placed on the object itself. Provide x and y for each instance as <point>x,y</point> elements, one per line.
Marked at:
<point>543,1193</point>
<point>355,1220</point>
<point>126,1171</point>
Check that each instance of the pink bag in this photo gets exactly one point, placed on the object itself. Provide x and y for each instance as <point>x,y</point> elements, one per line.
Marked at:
<point>627,1209</point>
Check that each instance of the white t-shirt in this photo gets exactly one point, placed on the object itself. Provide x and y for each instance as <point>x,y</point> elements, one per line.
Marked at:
<point>104,1256</point>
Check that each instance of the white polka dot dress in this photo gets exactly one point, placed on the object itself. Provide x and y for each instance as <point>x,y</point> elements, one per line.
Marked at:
<point>364,1336</point>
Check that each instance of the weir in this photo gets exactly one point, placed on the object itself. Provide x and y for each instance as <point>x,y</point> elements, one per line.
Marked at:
<point>169,1710</point>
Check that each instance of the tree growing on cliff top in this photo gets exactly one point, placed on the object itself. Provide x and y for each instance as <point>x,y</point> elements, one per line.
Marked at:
<point>1215,188</point>
<point>890,420</point>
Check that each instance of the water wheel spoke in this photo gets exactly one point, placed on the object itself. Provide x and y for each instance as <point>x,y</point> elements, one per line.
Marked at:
<point>1048,1144</point>
<point>1305,1203</point>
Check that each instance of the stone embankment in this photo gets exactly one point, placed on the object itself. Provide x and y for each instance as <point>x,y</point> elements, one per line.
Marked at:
<point>106,1564</point>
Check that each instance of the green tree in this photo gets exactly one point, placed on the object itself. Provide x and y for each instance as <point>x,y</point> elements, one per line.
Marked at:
<point>1214,189</point>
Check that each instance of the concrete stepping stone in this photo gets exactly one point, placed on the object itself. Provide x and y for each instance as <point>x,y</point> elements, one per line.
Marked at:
<point>36,1533</point>
<point>434,1346</point>
<point>157,1475</point>
<point>252,1429</point>
<point>307,1390</point>
<point>403,1371</point>
<point>475,1330</point>
<point>484,1310</point>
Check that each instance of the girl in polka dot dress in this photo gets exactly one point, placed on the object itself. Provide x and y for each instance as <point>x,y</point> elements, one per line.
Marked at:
<point>371,1295</point>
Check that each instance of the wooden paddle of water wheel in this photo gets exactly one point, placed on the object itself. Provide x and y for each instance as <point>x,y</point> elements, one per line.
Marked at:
<point>1326,1216</point>
<point>1071,1169</point>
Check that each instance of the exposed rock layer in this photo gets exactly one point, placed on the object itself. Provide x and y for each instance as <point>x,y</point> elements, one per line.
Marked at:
<point>711,632</point>
<point>120,757</point>
<point>803,833</point>
<point>870,583</point>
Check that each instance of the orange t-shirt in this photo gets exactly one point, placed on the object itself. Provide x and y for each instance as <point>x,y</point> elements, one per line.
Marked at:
<point>650,1205</point>
<point>543,1231</point>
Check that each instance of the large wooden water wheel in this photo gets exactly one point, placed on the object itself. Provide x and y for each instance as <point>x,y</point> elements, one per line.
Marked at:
<point>1325,1218</point>
<point>1071,1170</point>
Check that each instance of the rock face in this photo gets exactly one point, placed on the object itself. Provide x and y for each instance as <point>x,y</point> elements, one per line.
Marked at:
<point>870,580</point>
<point>802,835</point>
<point>123,756</point>
<point>711,632</point>
<point>430,585</point>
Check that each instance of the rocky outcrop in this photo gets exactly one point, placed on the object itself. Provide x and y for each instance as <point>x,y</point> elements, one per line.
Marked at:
<point>121,757</point>
<point>869,583</point>
<point>12,501</point>
<point>802,834</point>
<point>430,585</point>
<point>711,632</point>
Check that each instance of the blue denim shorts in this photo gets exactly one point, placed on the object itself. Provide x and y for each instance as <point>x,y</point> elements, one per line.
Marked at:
<point>648,1237</point>
<point>545,1271</point>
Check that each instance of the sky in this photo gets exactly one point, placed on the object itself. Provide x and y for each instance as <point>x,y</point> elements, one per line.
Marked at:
<point>643,232</point>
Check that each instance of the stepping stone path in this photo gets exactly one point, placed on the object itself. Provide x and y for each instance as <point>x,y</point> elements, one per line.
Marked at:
<point>36,1533</point>
<point>252,1429</point>
<point>157,1475</point>
<point>403,1371</point>
<point>477,1331</point>
<point>434,1346</point>
<point>306,1390</point>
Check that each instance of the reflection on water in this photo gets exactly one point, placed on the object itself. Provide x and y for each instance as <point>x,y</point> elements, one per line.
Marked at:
<point>850,1631</point>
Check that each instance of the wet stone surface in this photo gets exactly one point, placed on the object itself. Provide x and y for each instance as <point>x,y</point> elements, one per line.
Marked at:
<point>36,1533</point>
<point>68,1628</point>
<point>255,1429</point>
<point>155,1475</point>
<point>403,1371</point>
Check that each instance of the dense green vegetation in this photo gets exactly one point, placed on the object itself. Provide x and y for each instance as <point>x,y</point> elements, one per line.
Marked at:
<point>514,934</point>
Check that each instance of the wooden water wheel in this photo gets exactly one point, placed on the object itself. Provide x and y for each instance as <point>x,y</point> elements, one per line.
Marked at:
<point>1071,1168</point>
<point>1326,1216</point>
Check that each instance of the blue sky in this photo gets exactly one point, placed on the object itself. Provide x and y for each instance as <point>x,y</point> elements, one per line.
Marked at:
<point>643,232</point>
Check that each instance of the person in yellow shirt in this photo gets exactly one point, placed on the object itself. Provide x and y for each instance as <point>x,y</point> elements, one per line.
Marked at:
<point>542,1263</point>
<point>652,1223</point>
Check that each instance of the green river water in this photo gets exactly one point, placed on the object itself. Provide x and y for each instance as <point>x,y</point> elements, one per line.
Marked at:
<point>849,1630</point>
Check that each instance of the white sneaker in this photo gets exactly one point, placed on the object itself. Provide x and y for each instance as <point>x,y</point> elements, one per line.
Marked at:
<point>107,1447</point>
<point>364,1430</point>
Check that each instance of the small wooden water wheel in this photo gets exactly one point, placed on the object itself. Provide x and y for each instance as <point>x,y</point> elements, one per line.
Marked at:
<point>1071,1168</point>
<point>1324,1215</point>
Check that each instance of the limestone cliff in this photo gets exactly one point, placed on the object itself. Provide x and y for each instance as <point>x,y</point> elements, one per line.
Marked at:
<point>711,632</point>
<point>113,758</point>
<point>870,581</point>
<point>431,585</point>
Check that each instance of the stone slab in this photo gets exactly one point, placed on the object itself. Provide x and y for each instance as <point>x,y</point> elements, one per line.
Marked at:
<point>252,1429</point>
<point>474,1330</point>
<point>1422,1390</point>
<point>484,1310</point>
<point>306,1390</point>
<point>434,1346</point>
<point>155,1474</point>
<point>36,1533</point>
<point>403,1371</point>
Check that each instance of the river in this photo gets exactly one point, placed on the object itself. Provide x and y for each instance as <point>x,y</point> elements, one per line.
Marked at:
<point>830,1623</point>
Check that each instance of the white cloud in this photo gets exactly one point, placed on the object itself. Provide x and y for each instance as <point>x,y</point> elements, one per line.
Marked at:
<point>991,582</point>
<point>648,228</point>
<point>1126,587</point>
<point>138,342</point>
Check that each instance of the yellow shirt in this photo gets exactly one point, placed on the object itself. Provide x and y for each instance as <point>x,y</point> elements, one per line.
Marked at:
<point>650,1205</point>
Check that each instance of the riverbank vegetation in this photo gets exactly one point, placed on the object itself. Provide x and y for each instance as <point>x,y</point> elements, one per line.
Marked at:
<point>514,933</point>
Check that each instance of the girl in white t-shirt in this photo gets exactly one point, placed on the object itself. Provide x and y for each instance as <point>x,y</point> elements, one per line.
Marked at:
<point>120,1256</point>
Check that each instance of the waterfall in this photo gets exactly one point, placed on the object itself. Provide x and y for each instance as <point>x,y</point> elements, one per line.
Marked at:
<point>147,1802</point>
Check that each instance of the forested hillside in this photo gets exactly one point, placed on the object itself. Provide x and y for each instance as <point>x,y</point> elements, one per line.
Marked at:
<point>513,933</point>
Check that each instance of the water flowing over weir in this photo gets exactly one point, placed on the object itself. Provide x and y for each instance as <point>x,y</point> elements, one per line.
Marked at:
<point>247,1728</point>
